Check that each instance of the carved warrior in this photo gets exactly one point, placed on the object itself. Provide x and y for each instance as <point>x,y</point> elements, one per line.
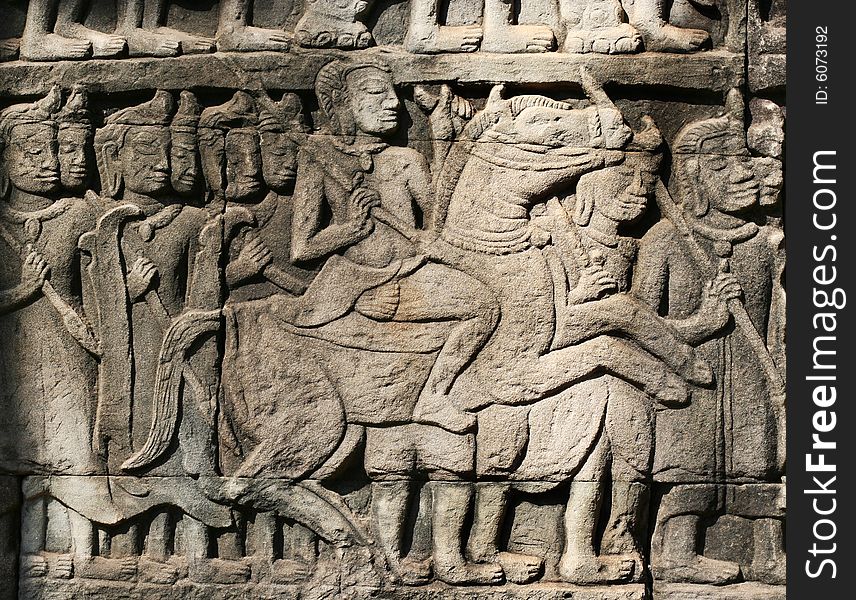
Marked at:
<point>718,192</point>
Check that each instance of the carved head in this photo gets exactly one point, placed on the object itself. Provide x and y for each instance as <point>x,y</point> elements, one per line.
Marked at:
<point>74,136</point>
<point>621,192</point>
<point>712,165</point>
<point>132,148</point>
<point>230,151</point>
<point>183,155</point>
<point>281,130</point>
<point>766,137</point>
<point>28,143</point>
<point>358,98</point>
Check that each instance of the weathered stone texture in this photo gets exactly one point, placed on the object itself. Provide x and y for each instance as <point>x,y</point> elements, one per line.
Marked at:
<point>352,299</point>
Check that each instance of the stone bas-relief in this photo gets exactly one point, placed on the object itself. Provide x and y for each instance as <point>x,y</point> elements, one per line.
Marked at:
<point>365,326</point>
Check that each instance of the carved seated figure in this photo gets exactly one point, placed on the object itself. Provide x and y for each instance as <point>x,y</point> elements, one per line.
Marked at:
<point>334,24</point>
<point>600,26</point>
<point>55,31</point>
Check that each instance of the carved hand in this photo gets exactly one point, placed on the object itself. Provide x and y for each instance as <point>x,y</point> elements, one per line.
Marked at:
<point>594,283</point>
<point>714,304</point>
<point>254,257</point>
<point>363,200</point>
<point>140,278</point>
<point>34,271</point>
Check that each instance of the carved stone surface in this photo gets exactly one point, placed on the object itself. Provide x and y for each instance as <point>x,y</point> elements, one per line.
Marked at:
<point>349,299</point>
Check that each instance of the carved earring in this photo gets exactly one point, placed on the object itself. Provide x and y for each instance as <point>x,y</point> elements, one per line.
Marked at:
<point>582,210</point>
<point>111,183</point>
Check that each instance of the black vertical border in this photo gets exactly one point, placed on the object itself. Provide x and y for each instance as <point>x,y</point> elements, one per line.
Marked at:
<point>812,128</point>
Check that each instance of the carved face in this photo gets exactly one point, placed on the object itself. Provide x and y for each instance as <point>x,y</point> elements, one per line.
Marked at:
<point>73,156</point>
<point>279,160</point>
<point>184,163</point>
<point>373,101</point>
<point>243,165</point>
<point>728,182</point>
<point>31,158</point>
<point>144,160</point>
<point>623,191</point>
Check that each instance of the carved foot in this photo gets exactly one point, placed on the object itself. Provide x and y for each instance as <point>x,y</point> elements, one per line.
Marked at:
<point>152,571</point>
<point>217,570</point>
<point>520,568</point>
<point>411,572</point>
<point>54,47</point>
<point>253,39</point>
<point>697,570</point>
<point>325,31</point>
<point>520,39</point>
<point>104,45</point>
<point>111,569</point>
<point>142,42</point>
<point>468,573</point>
<point>9,48</point>
<point>668,38</point>
<point>438,39</point>
<point>33,565</point>
<point>285,571</point>
<point>588,570</point>
<point>621,39</point>
<point>63,567</point>
<point>441,410</point>
<point>190,44</point>
<point>670,392</point>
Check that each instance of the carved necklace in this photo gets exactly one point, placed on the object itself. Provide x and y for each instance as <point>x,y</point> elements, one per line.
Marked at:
<point>363,152</point>
<point>723,239</point>
<point>159,220</point>
<point>32,220</point>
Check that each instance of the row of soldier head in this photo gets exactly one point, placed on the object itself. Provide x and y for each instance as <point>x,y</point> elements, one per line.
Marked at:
<point>236,151</point>
<point>168,145</point>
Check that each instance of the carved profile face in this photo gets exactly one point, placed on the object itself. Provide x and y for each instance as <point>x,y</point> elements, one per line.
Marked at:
<point>74,156</point>
<point>184,162</point>
<point>623,191</point>
<point>279,160</point>
<point>728,182</point>
<point>243,165</point>
<point>144,160</point>
<point>373,101</point>
<point>31,159</point>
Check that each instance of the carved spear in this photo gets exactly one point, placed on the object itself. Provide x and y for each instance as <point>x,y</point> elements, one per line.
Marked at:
<point>74,324</point>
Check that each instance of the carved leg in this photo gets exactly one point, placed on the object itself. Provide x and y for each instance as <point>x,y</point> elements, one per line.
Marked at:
<point>768,557</point>
<point>451,501</point>
<point>627,521</point>
<point>491,503</point>
<point>390,500</point>
<point>636,320</point>
<point>154,565</point>
<point>190,44</point>
<point>33,525</point>
<point>201,568</point>
<point>648,16</point>
<point>425,35</point>
<point>235,34</point>
<point>436,292</point>
<point>501,36</point>
<point>122,564</point>
<point>39,41</point>
<point>9,48</point>
<point>580,562</point>
<point>69,23</point>
<point>142,42</point>
<point>674,549</point>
